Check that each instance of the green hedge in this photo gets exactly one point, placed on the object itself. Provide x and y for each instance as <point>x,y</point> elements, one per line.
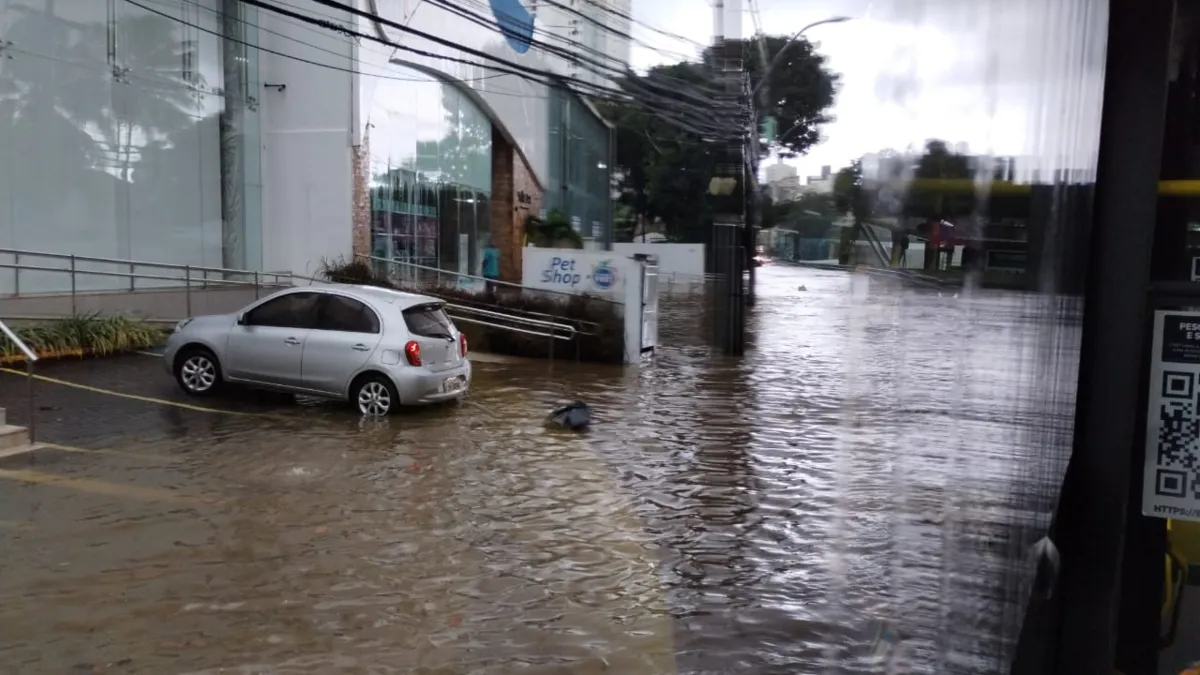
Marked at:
<point>85,334</point>
<point>600,335</point>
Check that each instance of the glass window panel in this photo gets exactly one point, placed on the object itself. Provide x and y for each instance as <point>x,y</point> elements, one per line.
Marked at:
<point>166,135</point>
<point>55,150</point>
<point>481,229</point>
<point>448,224</point>
<point>444,140</point>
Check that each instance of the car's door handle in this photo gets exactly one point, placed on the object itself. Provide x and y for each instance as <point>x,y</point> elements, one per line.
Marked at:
<point>360,347</point>
<point>291,341</point>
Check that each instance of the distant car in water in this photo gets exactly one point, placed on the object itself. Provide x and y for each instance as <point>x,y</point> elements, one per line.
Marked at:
<point>375,347</point>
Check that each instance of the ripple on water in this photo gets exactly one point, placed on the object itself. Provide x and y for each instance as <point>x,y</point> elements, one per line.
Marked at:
<point>755,515</point>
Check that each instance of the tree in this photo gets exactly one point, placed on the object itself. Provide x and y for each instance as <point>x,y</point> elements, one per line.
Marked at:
<point>664,151</point>
<point>800,89</point>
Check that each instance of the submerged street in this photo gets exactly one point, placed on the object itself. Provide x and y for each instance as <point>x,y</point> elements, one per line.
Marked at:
<point>854,490</point>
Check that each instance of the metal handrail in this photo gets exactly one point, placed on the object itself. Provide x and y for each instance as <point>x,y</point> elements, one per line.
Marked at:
<point>555,327</point>
<point>463,275</point>
<point>454,311</point>
<point>123,275</point>
<point>192,275</point>
<point>30,359</point>
<point>135,263</point>
<point>555,330</point>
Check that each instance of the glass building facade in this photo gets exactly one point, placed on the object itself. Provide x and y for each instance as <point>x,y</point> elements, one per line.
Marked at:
<point>431,174</point>
<point>578,166</point>
<point>128,134</point>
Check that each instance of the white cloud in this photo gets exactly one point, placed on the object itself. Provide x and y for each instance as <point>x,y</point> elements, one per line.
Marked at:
<point>1020,77</point>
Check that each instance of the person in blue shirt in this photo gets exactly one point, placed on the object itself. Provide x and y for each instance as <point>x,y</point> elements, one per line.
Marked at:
<point>491,266</point>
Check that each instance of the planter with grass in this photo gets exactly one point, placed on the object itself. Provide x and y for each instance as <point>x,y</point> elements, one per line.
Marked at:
<point>83,335</point>
<point>553,231</point>
<point>599,326</point>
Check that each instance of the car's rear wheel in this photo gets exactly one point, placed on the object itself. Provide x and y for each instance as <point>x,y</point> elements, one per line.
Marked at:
<point>374,395</point>
<point>198,371</point>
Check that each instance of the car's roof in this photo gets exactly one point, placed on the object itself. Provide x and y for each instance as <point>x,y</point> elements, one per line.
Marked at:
<point>401,299</point>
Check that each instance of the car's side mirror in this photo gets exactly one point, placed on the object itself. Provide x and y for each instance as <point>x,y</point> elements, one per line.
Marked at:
<point>241,320</point>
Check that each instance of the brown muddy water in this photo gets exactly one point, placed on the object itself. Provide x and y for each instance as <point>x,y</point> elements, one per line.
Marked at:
<point>878,459</point>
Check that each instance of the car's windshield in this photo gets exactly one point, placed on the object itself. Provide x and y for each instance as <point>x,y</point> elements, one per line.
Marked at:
<point>429,321</point>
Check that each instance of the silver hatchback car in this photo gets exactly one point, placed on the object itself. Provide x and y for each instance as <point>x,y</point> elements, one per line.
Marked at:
<point>375,347</point>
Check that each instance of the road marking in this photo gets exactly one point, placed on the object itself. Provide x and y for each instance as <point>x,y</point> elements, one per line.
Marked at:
<point>93,486</point>
<point>105,451</point>
<point>145,399</point>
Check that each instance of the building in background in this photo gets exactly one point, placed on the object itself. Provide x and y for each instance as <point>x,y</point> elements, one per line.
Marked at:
<point>597,29</point>
<point>779,171</point>
<point>781,181</point>
<point>290,142</point>
<point>821,184</point>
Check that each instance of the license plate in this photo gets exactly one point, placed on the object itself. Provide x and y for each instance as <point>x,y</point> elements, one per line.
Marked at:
<point>452,384</point>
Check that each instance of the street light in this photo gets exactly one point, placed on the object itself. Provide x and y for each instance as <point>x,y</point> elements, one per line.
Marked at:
<point>779,56</point>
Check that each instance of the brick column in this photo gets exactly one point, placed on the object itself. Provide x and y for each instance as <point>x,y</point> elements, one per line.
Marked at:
<point>503,199</point>
<point>515,195</point>
<point>528,201</point>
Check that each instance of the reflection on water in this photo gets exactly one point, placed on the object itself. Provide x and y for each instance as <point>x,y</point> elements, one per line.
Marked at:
<point>763,515</point>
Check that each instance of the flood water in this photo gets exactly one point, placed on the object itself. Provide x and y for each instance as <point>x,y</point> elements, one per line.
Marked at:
<point>878,462</point>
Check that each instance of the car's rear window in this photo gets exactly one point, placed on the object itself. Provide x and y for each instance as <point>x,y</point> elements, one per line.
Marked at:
<point>428,321</point>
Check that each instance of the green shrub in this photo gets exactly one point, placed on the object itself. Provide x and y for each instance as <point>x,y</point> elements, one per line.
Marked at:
<point>599,325</point>
<point>554,230</point>
<point>84,334</point>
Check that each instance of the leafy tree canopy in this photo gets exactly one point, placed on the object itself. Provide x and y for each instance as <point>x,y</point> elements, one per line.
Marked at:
<point>665,157</point>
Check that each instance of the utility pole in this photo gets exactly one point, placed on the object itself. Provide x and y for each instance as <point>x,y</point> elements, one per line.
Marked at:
<point>727,188</point>
<point>760,99</point>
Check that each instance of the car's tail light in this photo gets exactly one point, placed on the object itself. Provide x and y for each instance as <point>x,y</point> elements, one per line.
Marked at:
<point>412,352</point>
<point>462,345</point>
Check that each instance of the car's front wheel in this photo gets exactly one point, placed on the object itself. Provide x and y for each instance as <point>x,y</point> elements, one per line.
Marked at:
<point>198,372</point>
<point>374,395</point>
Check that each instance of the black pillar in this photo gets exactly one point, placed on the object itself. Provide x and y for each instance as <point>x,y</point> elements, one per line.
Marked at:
<point>729,307</point>
<point>728,197</point>
<point>1171,260</point>
<point>1090,528</point>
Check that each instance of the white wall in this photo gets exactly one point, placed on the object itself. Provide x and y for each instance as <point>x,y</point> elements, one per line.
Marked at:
<point>679,259</point>
<point>306,138</point>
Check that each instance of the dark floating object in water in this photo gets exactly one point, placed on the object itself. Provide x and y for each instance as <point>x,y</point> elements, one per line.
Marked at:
<point>802,288</point>
<point>576,416</point>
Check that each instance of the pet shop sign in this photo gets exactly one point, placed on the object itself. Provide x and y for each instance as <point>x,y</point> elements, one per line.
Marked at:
<point>572,271</point>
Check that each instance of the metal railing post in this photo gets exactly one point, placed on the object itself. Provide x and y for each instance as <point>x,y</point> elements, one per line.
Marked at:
<point>30,357</point>
<point>74,309</point>
<point>187,282</point>
<point>132,278</point>
<point>16,274</point>
<point>256,286</point>
<point>32,402</point>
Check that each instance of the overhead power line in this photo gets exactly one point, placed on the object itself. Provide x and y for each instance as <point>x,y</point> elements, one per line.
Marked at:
<point>695,104</point>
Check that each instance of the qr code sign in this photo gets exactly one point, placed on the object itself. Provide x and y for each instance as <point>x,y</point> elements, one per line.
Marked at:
<point>1178,441</point>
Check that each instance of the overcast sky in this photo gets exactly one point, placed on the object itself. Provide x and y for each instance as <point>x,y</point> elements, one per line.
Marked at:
<point>1009,77</point>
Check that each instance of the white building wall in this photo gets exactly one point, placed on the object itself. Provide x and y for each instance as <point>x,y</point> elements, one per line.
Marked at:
<point>307,127</point>
<point>779,171</point>
<point>595,29</point>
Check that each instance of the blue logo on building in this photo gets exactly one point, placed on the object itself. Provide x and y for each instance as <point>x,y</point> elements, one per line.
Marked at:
<point>603,275</point>
<point>515,22</point>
